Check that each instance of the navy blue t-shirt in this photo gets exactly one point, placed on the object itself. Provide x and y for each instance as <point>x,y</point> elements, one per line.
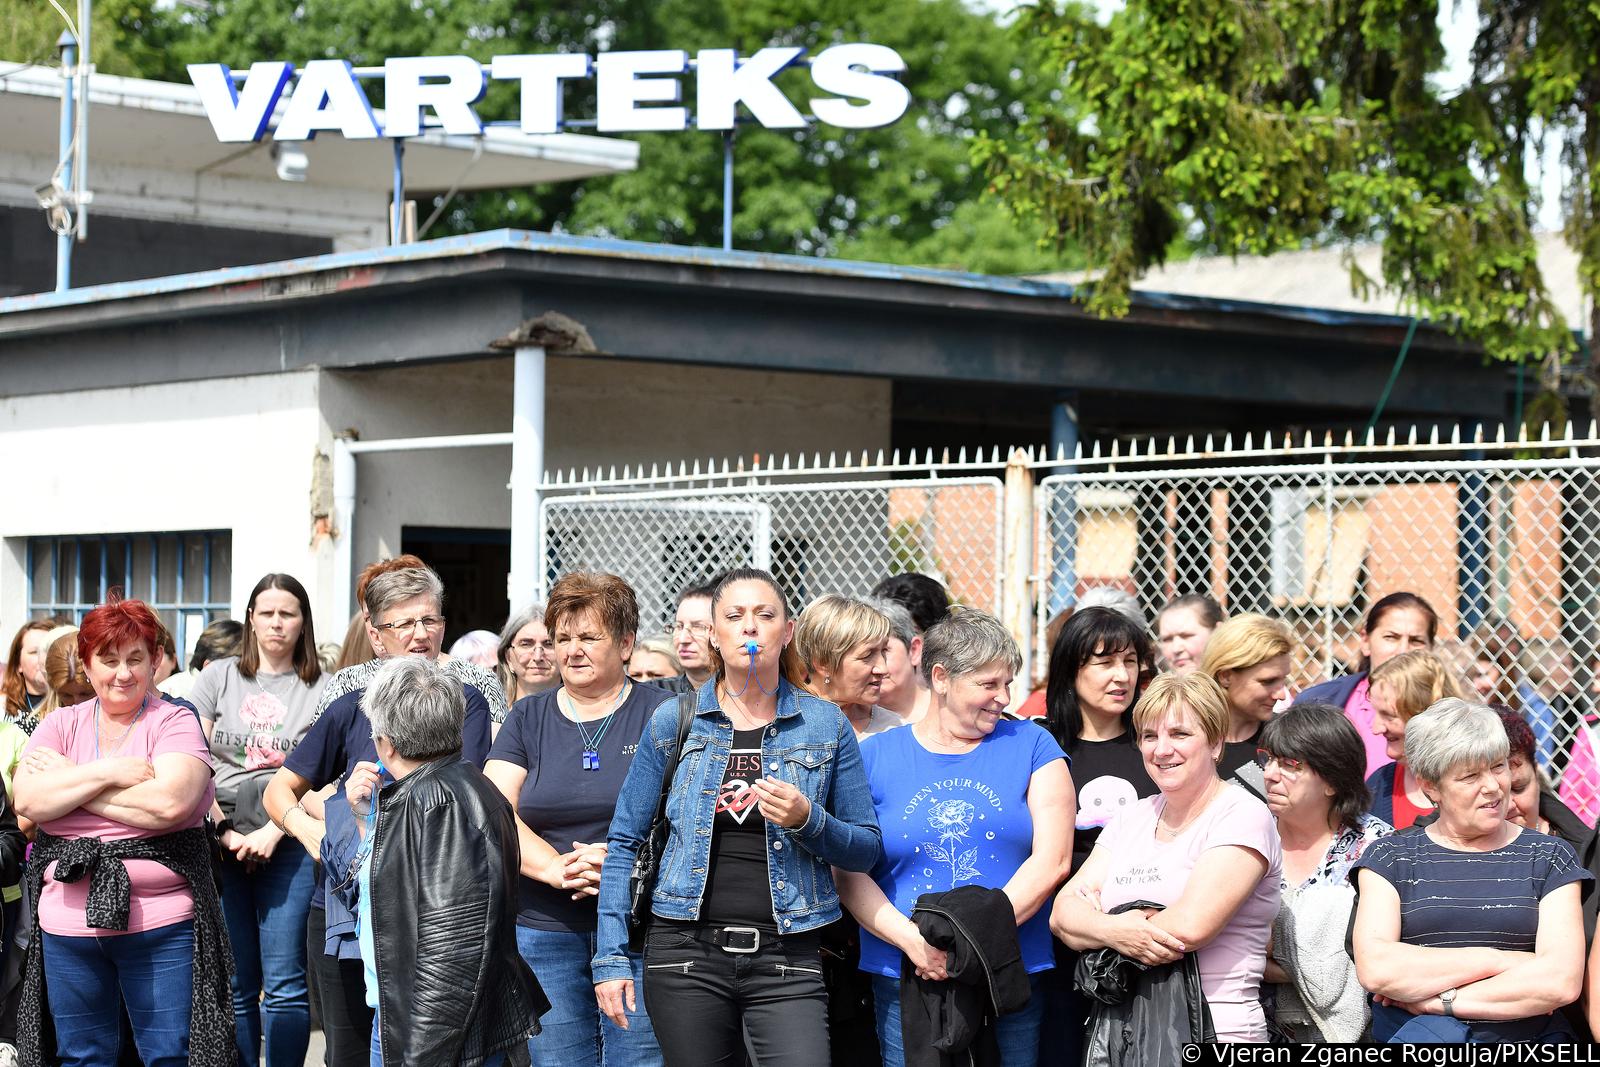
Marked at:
<point>341,737</point>
<point>1451,899</point>
<point>561,801</point>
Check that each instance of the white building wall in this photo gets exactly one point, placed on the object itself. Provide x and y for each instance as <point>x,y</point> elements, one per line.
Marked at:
<point>600,412</point>
<point>249,455</point>
<point>236,454</point>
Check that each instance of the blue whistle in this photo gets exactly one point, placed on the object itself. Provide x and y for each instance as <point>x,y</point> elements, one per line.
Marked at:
<point>752,648</point>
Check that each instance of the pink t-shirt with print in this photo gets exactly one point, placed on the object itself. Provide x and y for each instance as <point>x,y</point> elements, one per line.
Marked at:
<point>160,896</point>
<point>1358,709</point>
<point>1143,868</point>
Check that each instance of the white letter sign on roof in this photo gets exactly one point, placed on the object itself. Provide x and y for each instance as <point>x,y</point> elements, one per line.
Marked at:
<point>240,116</point>
<point>630,91</point>
<point>405,94</point>
<point>723,83</point>
<point>327,97</point>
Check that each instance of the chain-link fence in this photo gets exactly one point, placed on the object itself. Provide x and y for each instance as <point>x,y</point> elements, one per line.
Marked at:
<point>1499,537</point>
<point>816,537</point>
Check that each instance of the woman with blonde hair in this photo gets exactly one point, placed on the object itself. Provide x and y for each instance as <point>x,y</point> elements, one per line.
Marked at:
<point>844,643</point>
<point>1249,657</point>
<point>1204,850</point>
<point>1400,689</point>
<point>64,671</point>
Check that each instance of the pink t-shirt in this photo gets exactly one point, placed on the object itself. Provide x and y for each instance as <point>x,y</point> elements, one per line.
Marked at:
<point>1143,868</point>
<point>161,897</point>
<point>1358,709</point>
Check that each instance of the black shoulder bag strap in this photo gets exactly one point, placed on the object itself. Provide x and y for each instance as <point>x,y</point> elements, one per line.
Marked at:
<point>642,881</point>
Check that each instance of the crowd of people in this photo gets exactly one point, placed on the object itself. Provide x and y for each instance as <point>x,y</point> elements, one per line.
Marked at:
<point>775,837</point>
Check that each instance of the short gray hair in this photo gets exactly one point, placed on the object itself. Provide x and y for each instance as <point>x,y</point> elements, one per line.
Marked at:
<point>968,640</point>
<point>901,627</point>
<point>1453,734</point>
<point>417,706</point>
<point>397,587</point>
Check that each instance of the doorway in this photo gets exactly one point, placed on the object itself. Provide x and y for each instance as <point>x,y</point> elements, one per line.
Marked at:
<point>473,564</point>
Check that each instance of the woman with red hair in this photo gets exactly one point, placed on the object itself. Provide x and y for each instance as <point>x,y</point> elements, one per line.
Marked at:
<point>127,912</point>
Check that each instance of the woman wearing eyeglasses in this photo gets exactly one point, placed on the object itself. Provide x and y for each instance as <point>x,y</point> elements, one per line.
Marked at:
<point>405,617</point>
<point>560,761</point>
<point>1311,759</point>
<point>527,655</point>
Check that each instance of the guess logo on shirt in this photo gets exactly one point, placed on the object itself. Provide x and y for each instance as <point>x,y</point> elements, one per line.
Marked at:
<point>737,799</point>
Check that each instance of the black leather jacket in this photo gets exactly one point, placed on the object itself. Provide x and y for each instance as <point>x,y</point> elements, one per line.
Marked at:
<point>452,987</point>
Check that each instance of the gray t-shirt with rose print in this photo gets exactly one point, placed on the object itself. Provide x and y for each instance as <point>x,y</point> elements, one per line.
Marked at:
<point>258,721</point>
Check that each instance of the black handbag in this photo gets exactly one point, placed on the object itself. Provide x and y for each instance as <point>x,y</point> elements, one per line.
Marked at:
<point>642,879</point>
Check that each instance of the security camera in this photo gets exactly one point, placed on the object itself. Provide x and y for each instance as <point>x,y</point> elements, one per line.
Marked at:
<point>292,162</point>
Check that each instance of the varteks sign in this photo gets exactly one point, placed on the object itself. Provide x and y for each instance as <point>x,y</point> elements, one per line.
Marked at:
<point>634,91</point>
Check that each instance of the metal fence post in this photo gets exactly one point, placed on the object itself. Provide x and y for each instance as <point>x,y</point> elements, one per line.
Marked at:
<point>1017,558</point>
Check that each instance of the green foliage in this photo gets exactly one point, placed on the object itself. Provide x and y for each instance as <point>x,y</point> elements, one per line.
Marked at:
<point>907,194</point>
<point>1254,127</point>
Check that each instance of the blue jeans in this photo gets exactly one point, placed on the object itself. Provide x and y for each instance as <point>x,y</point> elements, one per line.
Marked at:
<point>90,978</point>
<point>1018,1033</point>
<point>573,1032</point>
<point>266,916</point>
<point>497,1060</point>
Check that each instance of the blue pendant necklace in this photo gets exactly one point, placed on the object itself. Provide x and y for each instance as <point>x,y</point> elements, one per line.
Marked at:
<point>591,742</point>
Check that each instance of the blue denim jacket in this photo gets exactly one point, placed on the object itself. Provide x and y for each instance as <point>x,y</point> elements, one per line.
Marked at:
<point>809,744</point>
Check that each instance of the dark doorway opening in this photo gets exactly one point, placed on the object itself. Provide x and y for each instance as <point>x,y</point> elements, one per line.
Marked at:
<point>473,564</point>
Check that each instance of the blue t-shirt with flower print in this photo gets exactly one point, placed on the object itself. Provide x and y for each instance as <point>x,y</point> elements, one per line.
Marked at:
<point>950,820</point>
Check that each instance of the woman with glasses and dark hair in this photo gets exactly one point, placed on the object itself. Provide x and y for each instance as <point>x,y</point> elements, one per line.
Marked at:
<point>254,709</point>
<point>560,761</point>
<point>1311,760</point>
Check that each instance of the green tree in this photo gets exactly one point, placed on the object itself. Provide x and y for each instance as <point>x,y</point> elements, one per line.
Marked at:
<point>908,193</point>
<point>1250,128</point>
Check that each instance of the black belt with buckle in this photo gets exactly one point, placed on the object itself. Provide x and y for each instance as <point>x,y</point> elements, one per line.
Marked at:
<point>736,940</point>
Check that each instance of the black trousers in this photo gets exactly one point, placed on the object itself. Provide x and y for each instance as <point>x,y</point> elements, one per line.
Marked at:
<point>703,1001</point>
<point>341,999</point>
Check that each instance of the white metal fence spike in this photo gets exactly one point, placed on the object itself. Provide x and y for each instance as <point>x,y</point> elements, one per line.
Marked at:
<point>1095,454</point>
<point>1249,442</point>
<point>1412,437</point>
<point>1522,433</point>
<point>1544,432</point>
<point>1568,435</point>
<point>1455,434</point>
<point>1308,441</point>
<point>1116,448</point>
<point>1389,440</point>
<point>1227,442</point>
<point>894,459</point>
<point>1188,445</point>
<point>1210,447</point>
<point>1077,451</point>
<point>1500,434</point>
<point>880,457</point>
<point>833,459</point>
<point>1433,435</point>
<point>963,456</point>
<point>1593,427</point>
